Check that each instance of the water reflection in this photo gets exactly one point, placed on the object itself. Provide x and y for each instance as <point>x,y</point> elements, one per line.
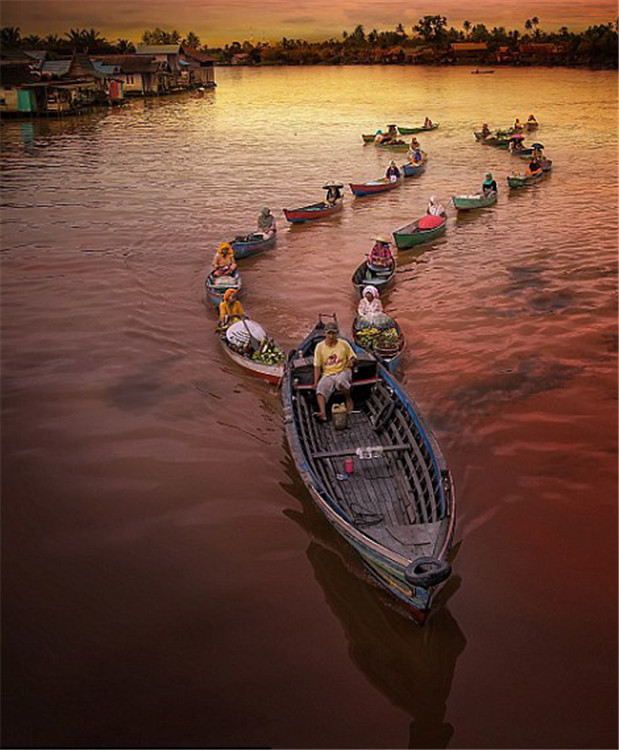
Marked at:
<point>412,666</point>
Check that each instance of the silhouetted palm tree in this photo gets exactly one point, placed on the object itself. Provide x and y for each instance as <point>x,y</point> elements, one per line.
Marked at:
<point>10,36</point>
<point>32,41</point>
<point>467,26</point>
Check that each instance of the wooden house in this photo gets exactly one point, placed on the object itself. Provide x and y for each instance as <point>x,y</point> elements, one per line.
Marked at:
<point>467,52</point>
<point>539,52</point>
<point>140,75</point>
<point>200,67</point>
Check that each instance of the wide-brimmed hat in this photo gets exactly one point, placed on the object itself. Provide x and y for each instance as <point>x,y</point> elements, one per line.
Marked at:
<point>382,238</point>
<point>331,327</point>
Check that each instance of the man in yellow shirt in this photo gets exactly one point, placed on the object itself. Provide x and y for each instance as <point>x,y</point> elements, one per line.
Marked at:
<point>333,362</point>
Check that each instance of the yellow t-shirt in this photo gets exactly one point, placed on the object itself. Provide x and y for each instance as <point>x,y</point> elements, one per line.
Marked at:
<point>332,359</point>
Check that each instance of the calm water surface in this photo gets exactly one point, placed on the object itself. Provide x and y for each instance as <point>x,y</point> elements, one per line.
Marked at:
<point>167,581</point>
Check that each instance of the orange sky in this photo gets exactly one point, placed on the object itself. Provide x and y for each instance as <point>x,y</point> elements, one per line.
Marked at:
<point>222,21</point>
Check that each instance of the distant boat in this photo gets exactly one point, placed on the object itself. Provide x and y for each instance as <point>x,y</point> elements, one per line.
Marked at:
<point>420,231</point>
<point>478,200</point>
<point>251,244</point>
<point>481,72</point>
<point>310,213</point>
<point>421,129</point>
<point>525,181</point>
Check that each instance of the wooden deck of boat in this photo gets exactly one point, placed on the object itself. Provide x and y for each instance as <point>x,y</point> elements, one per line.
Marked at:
<point>391,498</point>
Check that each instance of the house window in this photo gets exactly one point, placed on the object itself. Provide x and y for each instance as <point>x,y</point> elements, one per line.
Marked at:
<point>129,78</point>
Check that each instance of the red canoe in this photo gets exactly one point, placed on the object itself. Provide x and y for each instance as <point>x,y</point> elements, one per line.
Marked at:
<point>309,213</point>
<point>375,186</point>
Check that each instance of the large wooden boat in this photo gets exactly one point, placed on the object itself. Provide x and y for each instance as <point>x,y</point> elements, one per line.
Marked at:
<point>217,286</point>
<point>478,200</point>
<point>367,275</point>
<point>375,186</point>
<point>251,244</point>
<point>397,507</point>
<point>412,234</point>
<point>311,213</point>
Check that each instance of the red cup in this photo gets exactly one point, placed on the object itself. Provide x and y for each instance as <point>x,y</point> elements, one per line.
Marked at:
<point>349,465</point>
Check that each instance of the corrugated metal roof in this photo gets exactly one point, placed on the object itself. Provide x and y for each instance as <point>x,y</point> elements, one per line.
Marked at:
<point>469,46</point>
<point>56,67</point>
<point>158,49</point>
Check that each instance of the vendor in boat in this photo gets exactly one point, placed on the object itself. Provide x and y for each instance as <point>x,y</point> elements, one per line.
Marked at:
<point>517,125</point>
<point>415,156</point>
<point>230,310</point>
<point>370,303</point>
<point>435,208</point>
<point>485,130</point>
<point>427,123</point>
<point>333,363</point>
<point>489,185</point>
<point>392,173</point>
<point>223,263</point>
<point>380,255</point>
<point>414,143</point>
<point>334,194</point>
<point>516,144</point>
<point>266,222</point>
<point>532,120</point>
<point>533,168</point>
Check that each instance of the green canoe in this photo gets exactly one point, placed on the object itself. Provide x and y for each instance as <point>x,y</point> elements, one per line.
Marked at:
<point>410,131</point>
<point>520,182</point>
<point>469,202</point>
<point>411,235</point>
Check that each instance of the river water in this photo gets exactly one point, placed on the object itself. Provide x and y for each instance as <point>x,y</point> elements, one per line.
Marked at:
<point>167,581</point>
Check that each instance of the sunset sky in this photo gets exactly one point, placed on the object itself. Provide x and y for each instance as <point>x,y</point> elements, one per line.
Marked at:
<point>222,21</point>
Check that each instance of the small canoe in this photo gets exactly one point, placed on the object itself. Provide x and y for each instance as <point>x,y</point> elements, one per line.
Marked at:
<point>367,275</point>
<point>310,213</point>
<point>411,235</point>
<point>397,146</point>
<point>375,186</point>
<point>368,138</point>
<point>522,181</point>
<point>397,508</point>
<point>410,170</point>
<point>481,72</point>
<point>388,354</point>
<point>470,202</point>
<point>251,244</point>
<point>259,360</point>
<point>217,286</point>
<point>411,131</point>
<point>531,125</point>
<point>546,165</point>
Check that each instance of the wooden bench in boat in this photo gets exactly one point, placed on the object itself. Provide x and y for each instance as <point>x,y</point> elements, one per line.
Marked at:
<point>353,451</point>
<point>364,372</point>
<point>365,381</point>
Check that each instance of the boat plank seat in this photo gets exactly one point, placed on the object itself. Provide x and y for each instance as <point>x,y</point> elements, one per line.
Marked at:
<point>355,383</point>
<point>353,451</point>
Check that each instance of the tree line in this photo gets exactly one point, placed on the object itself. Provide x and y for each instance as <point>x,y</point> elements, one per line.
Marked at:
<point>596,46</point>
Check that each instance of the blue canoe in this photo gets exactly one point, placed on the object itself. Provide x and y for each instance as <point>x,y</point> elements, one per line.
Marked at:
<point>251,244</point>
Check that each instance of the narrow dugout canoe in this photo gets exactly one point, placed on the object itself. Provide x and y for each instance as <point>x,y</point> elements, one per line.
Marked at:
<point>411,235</point>
<point>216,286</point>
<point>311,213</point>
<point>366,275</point>
<point>397,508</point>
<point>251,244</point>
<point>375,186</point>
<point>521,181</point>
<point>478,200</point>
<point>411,131</point>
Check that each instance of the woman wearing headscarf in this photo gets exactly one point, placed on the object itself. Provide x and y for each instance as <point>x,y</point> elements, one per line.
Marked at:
<point>392,173</point>
<point>489,185</point>
<point>370,303</point>
<point>266,222</point>
<point>230,310</point>
<point>223,263</point>
<point>435,208</point>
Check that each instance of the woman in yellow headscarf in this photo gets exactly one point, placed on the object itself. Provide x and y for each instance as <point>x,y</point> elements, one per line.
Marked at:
<point>230,310</point>
<point>223,262</point>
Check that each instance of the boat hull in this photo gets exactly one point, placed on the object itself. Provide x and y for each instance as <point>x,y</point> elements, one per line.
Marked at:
<point>270,373</point>
<point>393,146</point>
<point>410,236</point>
<point>390,361</point>
<point>311,213</point>
<point>386,564</point>
<point>521,182</point>
<point>374,187</point>
<point>368,138</point>
<point>471,202</point>
<point>215,290</point>
<point>411,170</point>
<point>411,131</point>
<point>364,276</point>
<point>248,247</point>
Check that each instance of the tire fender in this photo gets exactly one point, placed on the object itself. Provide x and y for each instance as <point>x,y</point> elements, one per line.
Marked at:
<point>427,572</point>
